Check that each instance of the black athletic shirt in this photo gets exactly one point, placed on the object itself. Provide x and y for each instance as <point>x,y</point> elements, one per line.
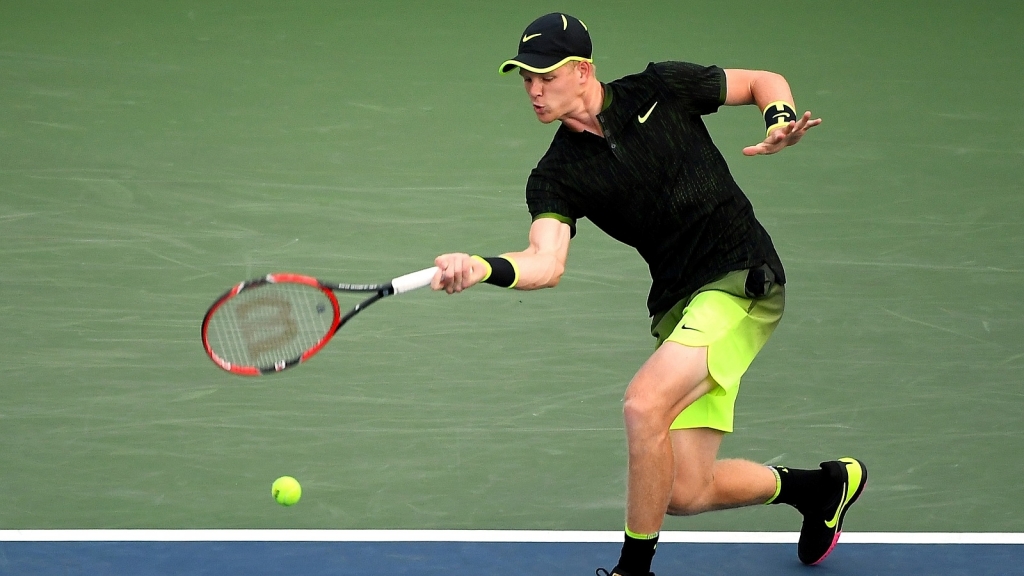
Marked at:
<point>657,182</point>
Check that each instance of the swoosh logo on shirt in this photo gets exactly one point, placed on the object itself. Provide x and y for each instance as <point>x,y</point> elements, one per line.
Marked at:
<point>644,118</point>
<point>527,38</point>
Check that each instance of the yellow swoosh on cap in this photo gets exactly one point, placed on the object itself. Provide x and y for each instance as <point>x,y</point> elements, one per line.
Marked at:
<point>530,37</point>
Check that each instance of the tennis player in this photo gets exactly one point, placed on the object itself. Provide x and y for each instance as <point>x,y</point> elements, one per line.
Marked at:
<point>635,157</point>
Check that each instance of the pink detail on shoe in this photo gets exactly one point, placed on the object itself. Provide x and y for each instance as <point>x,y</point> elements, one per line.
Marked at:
<point>829,551</point>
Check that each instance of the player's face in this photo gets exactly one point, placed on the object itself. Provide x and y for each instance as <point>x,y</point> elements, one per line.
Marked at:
<point>553,94</point>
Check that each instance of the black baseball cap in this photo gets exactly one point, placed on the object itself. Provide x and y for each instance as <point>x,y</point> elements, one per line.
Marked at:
<point>550,41</point>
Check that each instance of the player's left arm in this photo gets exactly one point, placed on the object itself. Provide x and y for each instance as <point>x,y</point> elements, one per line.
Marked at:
<point>772,95</point>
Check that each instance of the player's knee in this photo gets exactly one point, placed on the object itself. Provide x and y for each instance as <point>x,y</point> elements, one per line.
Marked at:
<point>688,500</point>
<point>684,507</point>
<point>642,415</point>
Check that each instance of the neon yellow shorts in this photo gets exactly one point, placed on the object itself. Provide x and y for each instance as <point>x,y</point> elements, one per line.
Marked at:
<point>733,327</point>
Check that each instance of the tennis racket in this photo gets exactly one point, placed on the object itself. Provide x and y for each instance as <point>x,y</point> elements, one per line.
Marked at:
<point>272,323</point>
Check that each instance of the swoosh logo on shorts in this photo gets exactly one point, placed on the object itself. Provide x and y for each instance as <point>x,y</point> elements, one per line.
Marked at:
<point>644,118</point>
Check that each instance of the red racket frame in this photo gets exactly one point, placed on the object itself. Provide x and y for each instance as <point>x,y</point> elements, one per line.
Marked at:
<point>279,278</point>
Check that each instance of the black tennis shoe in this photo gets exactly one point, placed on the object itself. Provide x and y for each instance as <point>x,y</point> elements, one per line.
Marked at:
<point>824,523</point>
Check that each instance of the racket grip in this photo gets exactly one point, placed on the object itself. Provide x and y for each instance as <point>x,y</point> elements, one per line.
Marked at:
<point>414,280</point>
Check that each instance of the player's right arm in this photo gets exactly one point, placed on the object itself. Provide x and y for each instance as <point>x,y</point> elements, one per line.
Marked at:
<point>540,265</point>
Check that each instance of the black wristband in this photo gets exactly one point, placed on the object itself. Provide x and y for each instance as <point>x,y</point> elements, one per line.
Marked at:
<point>777,115</point>
<point>503,272</point>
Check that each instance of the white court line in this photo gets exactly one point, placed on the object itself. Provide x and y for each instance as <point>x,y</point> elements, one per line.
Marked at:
<point>533,536</point>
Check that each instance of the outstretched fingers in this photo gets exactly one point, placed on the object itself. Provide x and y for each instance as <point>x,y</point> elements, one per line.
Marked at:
<point>783,136</point>
<point>803,124</point>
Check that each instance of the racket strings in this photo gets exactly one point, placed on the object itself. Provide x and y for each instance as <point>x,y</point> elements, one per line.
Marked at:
<point>270,324</point>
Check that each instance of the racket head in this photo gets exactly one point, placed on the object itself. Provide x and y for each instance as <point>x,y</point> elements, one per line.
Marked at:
<point>270,324</point>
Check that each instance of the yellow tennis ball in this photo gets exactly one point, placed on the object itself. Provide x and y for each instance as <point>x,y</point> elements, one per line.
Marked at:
<point>286,490</point>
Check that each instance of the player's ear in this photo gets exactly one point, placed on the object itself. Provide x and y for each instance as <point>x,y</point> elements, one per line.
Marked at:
<point>586,70</point>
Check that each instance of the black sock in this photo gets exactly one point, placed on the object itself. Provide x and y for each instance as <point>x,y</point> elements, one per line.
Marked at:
<point>636,556</point>
<point>801,488</point>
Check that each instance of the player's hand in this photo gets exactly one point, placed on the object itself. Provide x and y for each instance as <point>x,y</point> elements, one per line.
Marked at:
<point>781,137</point>
<point>456,272</point>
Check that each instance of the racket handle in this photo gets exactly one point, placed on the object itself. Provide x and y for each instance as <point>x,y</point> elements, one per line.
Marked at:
<point>414,280</point>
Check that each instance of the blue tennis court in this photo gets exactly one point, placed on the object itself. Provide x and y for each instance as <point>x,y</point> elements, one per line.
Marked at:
<point>316,553</point>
